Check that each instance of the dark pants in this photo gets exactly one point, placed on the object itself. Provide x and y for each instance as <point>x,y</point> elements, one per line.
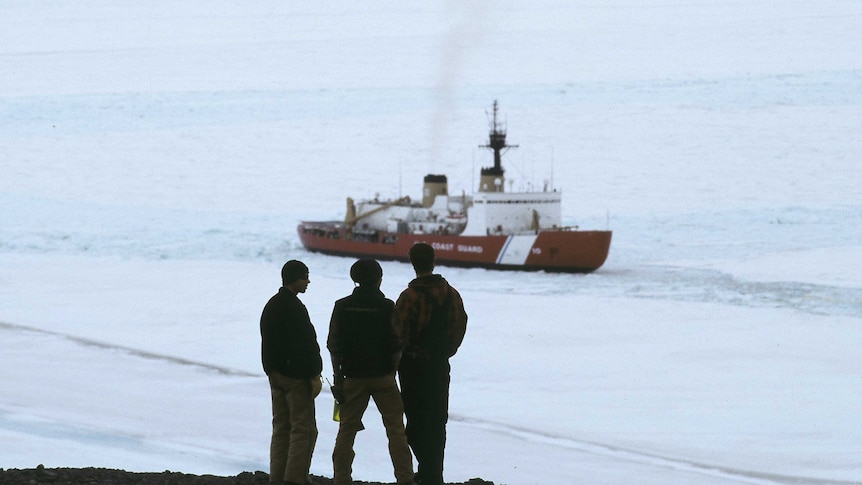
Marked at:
<point>425,392</point>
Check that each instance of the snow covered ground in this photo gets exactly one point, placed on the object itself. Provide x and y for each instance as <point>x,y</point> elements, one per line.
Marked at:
<point>155,158</point>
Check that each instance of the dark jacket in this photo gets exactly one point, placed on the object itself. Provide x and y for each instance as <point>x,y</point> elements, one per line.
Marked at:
<point>288,340</point>
<point>433,318</point>
<point>363,334</point>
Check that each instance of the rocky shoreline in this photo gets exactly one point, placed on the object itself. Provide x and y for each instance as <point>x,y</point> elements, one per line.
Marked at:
<point>107,476</point>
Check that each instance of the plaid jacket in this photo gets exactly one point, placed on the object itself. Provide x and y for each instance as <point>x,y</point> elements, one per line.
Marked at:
<point>425,297</point>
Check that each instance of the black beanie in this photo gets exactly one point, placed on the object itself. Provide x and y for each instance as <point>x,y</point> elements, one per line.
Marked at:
<point>292,271</point>
<point>366,272</point>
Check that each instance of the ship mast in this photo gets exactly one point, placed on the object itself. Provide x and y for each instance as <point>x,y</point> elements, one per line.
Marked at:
<point>492,177</point>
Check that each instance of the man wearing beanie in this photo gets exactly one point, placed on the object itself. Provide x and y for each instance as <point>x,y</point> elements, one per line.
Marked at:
<point>434,323</point>
<point>365,347</point>
<point>291,359</point>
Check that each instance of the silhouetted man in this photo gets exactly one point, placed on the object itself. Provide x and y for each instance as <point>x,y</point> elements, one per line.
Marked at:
<point>434,323</point>
<point>291,359</point>
<point>365,345</point>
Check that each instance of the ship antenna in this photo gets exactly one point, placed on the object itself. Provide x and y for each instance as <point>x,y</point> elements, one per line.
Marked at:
<point>497,143</point>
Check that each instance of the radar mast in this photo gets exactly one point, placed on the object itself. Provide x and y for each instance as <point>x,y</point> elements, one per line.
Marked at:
<point>492,177</point>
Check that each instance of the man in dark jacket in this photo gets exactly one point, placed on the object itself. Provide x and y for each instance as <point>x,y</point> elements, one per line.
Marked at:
<point>434,323</point>
<point>291,359</point>
<point>365,346</point>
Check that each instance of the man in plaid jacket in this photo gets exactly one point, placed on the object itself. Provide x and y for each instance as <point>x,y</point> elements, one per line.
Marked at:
<point>434,323</point>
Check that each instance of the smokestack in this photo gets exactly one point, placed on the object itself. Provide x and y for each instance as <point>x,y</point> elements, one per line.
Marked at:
<point>434,185</point>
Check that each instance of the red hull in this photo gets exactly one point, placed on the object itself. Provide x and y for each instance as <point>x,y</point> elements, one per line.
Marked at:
<point>558,251</point>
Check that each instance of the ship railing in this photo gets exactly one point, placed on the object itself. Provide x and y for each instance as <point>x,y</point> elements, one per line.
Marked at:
<point>503,232</point>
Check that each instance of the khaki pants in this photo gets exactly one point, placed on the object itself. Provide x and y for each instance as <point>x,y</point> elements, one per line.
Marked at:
<point>386,396</point>
<point>294,428</point>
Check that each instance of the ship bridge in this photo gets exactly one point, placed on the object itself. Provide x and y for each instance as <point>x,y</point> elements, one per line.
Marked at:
<point>513,213</point>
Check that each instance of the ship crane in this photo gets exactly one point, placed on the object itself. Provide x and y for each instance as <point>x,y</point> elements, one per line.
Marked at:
<point>350,219</point>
